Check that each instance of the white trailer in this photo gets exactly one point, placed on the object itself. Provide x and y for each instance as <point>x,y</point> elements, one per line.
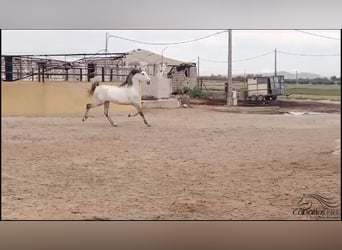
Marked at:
<point>265,88</point>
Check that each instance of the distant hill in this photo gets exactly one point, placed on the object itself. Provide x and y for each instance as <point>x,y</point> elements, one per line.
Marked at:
<point>288,75</point>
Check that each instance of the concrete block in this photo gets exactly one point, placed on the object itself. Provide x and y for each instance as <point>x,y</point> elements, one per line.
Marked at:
<point>159,87</point>
<point>161,103</point>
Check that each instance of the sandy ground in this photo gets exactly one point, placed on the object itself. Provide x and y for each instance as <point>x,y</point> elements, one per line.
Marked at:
<point>197,163</point>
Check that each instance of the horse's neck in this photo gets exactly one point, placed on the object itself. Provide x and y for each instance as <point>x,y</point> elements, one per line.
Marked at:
<point>136,85</point>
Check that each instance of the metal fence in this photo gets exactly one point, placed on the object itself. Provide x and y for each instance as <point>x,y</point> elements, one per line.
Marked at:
<point>63,67</point>
<point>219,84</point>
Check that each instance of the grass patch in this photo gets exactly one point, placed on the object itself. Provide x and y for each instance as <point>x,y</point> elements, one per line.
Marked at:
<point>196,93</point>
<point>215,89</point>
<point>314,90</point>
<point>312,97</point>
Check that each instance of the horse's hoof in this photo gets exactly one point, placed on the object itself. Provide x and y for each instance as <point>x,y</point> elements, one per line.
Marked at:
<point>129,115</point>
<point>115,125</point>
<point>148,125</point>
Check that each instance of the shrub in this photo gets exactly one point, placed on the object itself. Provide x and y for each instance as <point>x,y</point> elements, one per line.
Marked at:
<point>196,93</point>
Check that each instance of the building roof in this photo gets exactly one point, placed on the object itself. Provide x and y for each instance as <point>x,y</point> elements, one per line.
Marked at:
<point>148,57</point>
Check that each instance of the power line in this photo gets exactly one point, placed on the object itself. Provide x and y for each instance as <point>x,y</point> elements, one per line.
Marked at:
<point>250,58</point>
<point>170,43</point>
<point>193,60</point>
<point>322,36</point>
<point>212,61</point>
<point>294,54</point>
<point>71,54</point>
<point>241,60</point>
<point>268,53</point>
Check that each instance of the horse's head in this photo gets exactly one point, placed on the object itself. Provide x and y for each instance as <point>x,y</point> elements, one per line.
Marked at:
<point>308,200</point>
<point>305,202</point>
<point>136,75</point>
<point>143,77</point>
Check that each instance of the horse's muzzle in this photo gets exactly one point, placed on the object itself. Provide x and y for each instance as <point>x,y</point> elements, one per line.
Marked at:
<point>148,82</point>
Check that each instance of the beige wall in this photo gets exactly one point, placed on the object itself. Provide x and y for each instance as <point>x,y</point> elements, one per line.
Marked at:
<point>32,98</point>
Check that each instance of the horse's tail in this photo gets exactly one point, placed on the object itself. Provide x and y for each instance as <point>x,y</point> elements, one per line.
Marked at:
<point>93,87</point>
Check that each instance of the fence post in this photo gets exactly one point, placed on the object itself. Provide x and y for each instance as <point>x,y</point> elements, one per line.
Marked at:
<point>43,72</point>
<point>102,69</point>
<point>9,68</point>
<point>32,74</point>
<point>38,73</point>
<point>111,75</point>
<point>81,75</point>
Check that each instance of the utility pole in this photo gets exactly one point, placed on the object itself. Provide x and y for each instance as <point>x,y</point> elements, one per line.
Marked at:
<point>275,62</point>
<point>230,79</point>
<point>244,77</point>
<point>106,45</point>
<point>106,48</point>
<point>198,61</point>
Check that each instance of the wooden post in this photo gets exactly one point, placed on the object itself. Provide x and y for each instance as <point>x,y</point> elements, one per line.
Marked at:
<point>9,68</point>
<point>32,74</point>
<point>38,72</point>
<point>103,78</point>
<point>20,69</point>
<point>43,73</point>
<point>111,75</point>
<point>81,74</point>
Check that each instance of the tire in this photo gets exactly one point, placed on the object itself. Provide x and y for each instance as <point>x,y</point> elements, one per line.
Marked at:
<point>253,98</point>
<point>261,98</point>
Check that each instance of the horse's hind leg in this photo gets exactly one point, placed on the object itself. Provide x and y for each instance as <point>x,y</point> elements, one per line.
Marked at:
<point>88,107</point>
<point>139,111</point>
<point>106,110</point>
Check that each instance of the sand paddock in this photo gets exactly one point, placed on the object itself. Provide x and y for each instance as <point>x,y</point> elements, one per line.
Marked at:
<point>195,163</point>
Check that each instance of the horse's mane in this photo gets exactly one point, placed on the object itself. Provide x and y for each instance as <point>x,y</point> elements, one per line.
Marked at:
<point>128,81</point>
<point>325,202</point>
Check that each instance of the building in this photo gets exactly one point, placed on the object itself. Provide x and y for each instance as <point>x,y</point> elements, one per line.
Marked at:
<point>181,74</point>
<point>107,67</point>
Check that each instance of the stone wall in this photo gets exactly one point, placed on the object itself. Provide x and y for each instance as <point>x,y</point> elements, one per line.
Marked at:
<point>179,80</point>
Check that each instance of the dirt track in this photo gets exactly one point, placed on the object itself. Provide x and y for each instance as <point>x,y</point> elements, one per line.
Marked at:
<point>191,164</point>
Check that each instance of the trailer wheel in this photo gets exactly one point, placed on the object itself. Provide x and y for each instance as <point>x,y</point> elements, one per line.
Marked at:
<point>260,98</point>
<point>253,98</point>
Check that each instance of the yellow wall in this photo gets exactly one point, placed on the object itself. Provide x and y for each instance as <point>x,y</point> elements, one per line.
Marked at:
<point>33,98</point>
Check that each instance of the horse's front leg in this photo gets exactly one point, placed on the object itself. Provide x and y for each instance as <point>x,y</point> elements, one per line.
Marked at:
<point>139,111</point>
<point>106,110</point>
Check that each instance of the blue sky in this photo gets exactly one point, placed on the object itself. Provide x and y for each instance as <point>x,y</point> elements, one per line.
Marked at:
<point>246,44</point>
